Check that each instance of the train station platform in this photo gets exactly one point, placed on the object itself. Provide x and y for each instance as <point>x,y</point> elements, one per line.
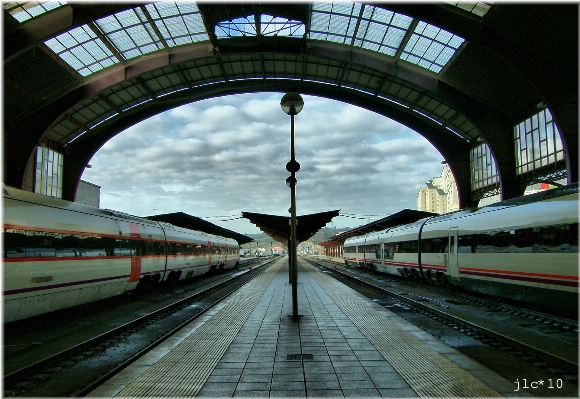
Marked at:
<point>344,345</point>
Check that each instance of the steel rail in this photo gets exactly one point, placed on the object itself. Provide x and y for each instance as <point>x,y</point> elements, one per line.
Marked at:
<point>539,353</point>
<point>10,380</point>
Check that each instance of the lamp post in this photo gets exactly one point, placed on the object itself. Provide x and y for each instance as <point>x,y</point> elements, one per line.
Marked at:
<point>292,104</point>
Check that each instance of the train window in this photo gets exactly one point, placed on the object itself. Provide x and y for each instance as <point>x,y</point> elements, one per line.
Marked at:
<point>465,244</point>
<point>349,250</point>
<point>407,247</point>
<point>201,250</point>
<point>171,248</point>
<point>524,240</point>
<point>433,245</point>
<point>426,246</point>
<point>502,241</point>
<point>15,243</point>
<point>573,227</point>
<point>484,243</point>
<point>182,249</point>
<point>70,246</point>
<point>370,249</point>
<point>148,248</point>
<point>550,239</point>
<point>122,247</point>
<point>157,248</point>
<point>94,246</point>
<point>22,243</point>
<point>389,250</point>
<point>140,248</point>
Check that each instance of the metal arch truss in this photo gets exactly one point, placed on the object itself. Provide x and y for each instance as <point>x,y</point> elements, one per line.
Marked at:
<point>528,179</point>
<point>545,176</point>
<point>86,118</point>
<point>486,192</point>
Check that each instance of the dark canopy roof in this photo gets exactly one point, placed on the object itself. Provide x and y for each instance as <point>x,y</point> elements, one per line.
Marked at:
<point>278,227</point>
<point>401,217</point>
<point>194,223</point>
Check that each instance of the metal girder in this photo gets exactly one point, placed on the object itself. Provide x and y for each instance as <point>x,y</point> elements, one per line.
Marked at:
<point>501,71</point>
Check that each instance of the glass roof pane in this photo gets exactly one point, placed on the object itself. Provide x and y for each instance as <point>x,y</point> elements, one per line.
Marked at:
<point>82,50</point>
<point>129,32</point>
<point>109,24</point>
<point>381,15</point>
<point>277,26</point>
<point>176,26</point>
<point>270,26</point>
<point>191,28</point>
<point>375,31</point>
<point>127,18</point>
<point>478,8</point>
<point>166,9</point>
<point>243,26</point>
<point>431,47</point>
<point>378,29</point>
<point>24,11</point>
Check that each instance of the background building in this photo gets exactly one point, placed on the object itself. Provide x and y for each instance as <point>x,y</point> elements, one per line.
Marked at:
<point>439,194</point>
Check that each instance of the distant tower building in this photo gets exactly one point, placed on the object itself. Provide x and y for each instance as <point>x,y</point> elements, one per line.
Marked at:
<point>439,194</point>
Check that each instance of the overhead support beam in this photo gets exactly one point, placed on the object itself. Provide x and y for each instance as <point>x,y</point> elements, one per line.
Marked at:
<point>507,63</point>
<point>497,133</point>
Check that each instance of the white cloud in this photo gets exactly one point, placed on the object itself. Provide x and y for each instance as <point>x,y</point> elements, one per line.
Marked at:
<point>227,155</point>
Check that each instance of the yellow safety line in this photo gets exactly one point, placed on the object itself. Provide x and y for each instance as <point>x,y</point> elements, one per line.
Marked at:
<point>429,373</point>
<point>184,370</point>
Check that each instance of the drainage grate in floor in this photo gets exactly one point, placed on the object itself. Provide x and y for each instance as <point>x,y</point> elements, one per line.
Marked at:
<point>300,356</point>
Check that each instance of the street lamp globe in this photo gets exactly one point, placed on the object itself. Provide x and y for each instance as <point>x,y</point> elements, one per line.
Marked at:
<point>292,103</point>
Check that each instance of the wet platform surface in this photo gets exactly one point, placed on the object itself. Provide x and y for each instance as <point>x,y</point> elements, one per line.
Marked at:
<point>344,345</point>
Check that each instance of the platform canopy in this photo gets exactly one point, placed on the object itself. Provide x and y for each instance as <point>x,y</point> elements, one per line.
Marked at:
<point>278,227</point>
<point>402,217</point>
<point>186,221</point>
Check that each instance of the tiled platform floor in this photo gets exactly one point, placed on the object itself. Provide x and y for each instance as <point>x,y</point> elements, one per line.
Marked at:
<point>357,348</point>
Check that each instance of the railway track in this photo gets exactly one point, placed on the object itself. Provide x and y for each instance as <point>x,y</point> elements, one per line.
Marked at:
<point>554,321</point>
<point>77,370</point>
<point>553,357</point>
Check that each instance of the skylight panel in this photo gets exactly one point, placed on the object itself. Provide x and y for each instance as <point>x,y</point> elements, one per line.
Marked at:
<point>361,25</point>
<point>478,8</point>
<point>334,22</point>
<point>431,47</point>
<point>130,32</point>
<point>269,26</point>
<point>25,11</point>
<point>243,26</point>
<point>82,50</point>
<point>378,29</point>
<point>178,23</point>
<point>277,26</point>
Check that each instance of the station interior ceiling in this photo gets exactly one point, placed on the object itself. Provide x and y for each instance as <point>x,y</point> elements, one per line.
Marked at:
<point>462,75</point>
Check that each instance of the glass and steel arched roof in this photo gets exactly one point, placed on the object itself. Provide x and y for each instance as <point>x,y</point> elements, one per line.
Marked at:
<point>76,74</point>
<point>128,36</point>
<point>161,26</point>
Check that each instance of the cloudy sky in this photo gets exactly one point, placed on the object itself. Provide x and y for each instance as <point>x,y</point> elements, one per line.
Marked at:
<point>216,158</point>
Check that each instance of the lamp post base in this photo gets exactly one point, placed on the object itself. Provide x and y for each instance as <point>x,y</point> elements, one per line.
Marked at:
<point>295,318</point>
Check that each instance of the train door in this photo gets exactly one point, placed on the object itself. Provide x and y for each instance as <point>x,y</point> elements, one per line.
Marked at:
<point>452,261</point>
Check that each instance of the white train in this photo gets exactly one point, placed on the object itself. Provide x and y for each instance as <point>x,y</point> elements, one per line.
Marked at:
<point>524,249</point>
<point>59,254</point>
